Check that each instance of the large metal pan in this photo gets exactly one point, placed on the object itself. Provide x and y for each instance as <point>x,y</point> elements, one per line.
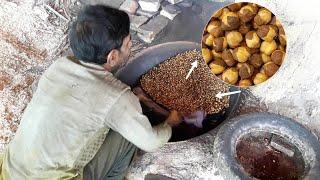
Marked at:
<point>151,57</point>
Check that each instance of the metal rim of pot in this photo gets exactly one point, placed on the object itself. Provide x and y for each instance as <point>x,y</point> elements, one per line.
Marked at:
<point>295,133</point>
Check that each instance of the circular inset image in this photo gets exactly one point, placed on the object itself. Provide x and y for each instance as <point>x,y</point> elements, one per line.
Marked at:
<point>244,44</point>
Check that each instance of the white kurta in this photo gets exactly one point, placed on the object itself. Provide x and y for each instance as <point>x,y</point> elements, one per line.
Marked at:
<point>68,118</point>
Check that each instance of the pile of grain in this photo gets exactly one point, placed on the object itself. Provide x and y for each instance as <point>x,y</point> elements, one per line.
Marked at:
<point>168,86</point>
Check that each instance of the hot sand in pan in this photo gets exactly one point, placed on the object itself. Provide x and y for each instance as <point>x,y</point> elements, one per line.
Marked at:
<point>168,86</point>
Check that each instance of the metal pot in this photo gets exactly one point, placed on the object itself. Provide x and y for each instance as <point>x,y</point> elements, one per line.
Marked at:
<point>151,57</point>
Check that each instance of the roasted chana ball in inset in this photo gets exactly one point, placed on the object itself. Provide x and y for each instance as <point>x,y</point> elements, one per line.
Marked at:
<point>216,54</point>
<point>263,17</point>
<point>214,28</point>
<point>208,39</point>
<point>282,36</point>
<point>254,50</point>
<point>255,71</point>
<point>246,71</point>
<point>277,57</point>
<point>281,30</point>
<point>265,58</point>
<point>228,57</point>
<point>268,47</point>
<point>239,65</point>
<point>256,60</point>
<point>255,26</point>
<point>256,6</point>
<point>217,66</point>
<point>262,71</point>
<point>230,21</point>
<point>217,14</point>
<point>219,44</point>
<point>245,28</point>
<point>241,54</point>
<point>230,76</point>
<point>244,44</point>
<point>282,48</point>
<point>275,21</point>
<point>233,38</point>
<point>235,7</point>
<point>270,68</point>
<point>282,39</point>
<point>247,13</point>
<point>207,55</point>
<point>251,50</point>
<point>276,29</point>
<point>224,12</point>
<point>248,44</point>
<point>259,78</point>
<point>266,32</point>
<point>252,39</point>
<point>245,83</point>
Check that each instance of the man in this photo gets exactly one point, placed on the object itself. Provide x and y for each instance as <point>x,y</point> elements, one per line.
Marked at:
<point>81,121</point>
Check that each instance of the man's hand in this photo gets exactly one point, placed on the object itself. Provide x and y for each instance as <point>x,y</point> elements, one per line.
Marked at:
<point>195,118</point>
<point>143,97</point>
<point>174,118</point>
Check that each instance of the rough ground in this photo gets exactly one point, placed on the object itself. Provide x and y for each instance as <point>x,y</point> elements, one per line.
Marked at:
<point>30,38</point>
<point>28,44</point>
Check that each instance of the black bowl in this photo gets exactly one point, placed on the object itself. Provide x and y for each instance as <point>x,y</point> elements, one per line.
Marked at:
<point>151,57</point>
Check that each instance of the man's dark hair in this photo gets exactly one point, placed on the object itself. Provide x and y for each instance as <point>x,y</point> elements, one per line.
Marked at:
<point>97,30</point>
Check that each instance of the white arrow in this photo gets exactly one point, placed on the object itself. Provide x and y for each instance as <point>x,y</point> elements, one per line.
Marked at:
<point>194,65</point>
<point>220,95</point>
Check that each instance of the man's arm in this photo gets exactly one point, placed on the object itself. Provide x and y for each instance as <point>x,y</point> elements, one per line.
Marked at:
<point>126,118</point>
<point>144,98</point>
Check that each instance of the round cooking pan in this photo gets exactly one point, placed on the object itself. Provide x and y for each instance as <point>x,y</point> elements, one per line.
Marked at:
<point>152,56</point>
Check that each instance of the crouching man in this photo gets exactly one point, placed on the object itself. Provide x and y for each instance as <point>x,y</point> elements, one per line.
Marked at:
<point>83,123</point>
